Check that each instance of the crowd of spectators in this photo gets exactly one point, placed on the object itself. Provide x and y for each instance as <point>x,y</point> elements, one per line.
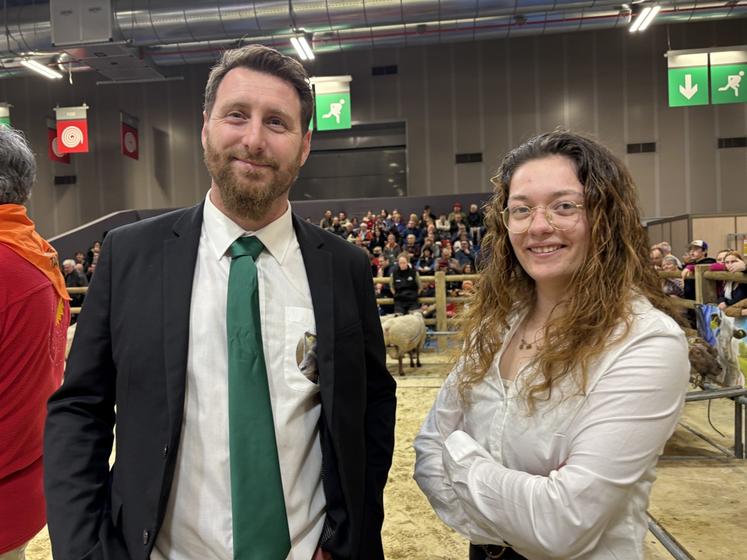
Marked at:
<point>404,247</point>
<point>78,272</point>
<point>731,296</point>
<point>399,247</point>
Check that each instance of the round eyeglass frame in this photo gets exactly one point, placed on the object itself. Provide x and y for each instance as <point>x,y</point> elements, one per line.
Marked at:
<point>548,218</point>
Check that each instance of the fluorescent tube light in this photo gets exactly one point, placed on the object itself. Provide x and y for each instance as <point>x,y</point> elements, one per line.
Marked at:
<point>299,49</point>
<point>639,20</point>
<point>306,47</point>
<point>649,18</point>
<point>41,69</point>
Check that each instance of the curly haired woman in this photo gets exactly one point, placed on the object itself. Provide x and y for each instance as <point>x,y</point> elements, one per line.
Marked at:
<point>543,441</point>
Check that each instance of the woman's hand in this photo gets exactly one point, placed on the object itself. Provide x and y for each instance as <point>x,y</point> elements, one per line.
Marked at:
<point>722,306</point>
<point>736,266</point>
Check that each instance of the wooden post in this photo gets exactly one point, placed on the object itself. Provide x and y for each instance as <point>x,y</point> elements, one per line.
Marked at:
<point>705,290</point>
<point>441,324</point>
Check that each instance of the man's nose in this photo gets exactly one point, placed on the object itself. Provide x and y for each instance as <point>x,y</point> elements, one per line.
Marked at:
<point>253,135</point>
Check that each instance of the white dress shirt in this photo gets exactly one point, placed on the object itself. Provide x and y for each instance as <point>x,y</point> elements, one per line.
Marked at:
<point>198,522</point>
<point>571,480</point>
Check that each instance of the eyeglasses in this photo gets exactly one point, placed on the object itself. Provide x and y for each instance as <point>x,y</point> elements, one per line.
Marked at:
<point>562,215</point>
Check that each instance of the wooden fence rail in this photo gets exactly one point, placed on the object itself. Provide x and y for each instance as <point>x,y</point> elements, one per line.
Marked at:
<point>705,292</point>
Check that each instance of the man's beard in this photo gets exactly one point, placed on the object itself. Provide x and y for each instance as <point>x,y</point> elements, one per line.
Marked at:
<point>247,194</point>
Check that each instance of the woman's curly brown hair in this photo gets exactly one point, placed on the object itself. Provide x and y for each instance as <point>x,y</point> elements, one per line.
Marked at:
<point>615,270</point>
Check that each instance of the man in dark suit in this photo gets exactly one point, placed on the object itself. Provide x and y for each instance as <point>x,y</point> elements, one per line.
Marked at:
<point>155,340</point>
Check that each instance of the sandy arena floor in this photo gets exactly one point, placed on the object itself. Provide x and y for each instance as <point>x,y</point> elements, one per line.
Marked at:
<point>702,502</point>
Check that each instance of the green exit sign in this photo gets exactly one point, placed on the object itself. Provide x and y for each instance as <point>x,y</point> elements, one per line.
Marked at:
<point>333,111</point>
<point>688,79</point>
<point>729,77</point>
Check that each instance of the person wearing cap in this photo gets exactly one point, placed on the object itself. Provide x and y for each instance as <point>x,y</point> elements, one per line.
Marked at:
<point>697,251</point>
<point>457,209</point>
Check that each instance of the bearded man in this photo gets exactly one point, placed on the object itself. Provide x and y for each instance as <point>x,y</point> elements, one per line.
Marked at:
<point>254,411</point>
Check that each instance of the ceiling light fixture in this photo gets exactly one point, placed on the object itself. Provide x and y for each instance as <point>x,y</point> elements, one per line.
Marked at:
<point>302,46</point>
<point>644,18</point>
<point>41,69</point>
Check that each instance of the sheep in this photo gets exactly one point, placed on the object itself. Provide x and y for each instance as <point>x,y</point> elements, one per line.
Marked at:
<point>404,334</point>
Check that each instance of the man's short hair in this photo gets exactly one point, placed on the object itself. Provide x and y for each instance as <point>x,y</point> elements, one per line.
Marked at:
<point>17,167</point>
<point>269,61</point>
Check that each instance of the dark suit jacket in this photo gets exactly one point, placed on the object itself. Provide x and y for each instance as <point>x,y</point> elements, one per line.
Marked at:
<point>130,350</point>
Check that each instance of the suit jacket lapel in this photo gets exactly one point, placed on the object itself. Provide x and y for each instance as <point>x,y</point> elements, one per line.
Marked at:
<point>318,263</point>
<point>179,259</point>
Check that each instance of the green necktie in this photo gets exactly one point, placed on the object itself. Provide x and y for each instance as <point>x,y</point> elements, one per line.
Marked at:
<point>260,524</point>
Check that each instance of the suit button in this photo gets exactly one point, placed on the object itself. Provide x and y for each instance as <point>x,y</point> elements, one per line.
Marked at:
<point>146,536</point>
<point>165,450</point>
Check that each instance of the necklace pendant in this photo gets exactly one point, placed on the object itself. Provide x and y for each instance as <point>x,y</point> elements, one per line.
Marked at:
<point>524,345</point>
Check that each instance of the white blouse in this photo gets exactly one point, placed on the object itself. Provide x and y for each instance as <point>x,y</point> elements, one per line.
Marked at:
<point>571,480</point>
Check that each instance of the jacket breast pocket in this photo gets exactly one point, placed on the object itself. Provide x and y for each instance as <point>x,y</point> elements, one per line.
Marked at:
<point>299,352</point>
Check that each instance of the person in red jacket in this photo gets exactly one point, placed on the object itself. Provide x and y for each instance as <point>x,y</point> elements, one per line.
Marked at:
<point>34,316</point>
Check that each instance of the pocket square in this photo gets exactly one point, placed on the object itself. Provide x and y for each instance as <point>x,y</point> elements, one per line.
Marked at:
<point>306,357</point>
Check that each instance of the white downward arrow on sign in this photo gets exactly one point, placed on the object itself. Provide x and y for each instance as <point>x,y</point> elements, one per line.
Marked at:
<point>689,89</point>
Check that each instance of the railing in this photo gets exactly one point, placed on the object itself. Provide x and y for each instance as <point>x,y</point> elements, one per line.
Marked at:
<point>705,291</point>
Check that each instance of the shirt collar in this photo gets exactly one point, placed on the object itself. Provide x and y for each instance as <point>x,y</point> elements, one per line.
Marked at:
<point>222,231</point>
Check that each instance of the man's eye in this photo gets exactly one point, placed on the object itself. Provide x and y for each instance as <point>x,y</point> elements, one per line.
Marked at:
<point>235,115</point>
<point>277,123</point>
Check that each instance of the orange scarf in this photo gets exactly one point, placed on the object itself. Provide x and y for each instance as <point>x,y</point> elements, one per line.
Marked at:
<point>18,233</point>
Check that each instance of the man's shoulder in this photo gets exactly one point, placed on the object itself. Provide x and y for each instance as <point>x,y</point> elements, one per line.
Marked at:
<point>162,224</point>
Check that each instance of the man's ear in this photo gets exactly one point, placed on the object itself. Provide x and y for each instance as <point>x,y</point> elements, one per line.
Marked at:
<point>306,146</point>
<point>203,133</point>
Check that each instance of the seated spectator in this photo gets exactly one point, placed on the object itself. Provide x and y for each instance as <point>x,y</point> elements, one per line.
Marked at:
<point>672,286</point>
<point>343,217</point>
<point>364,235</point>
<point>405,286</point>
<point>413,229</point>
<point>476,223</point>
<point>412,247</point>
<point>379,234</point>
<point>457,225</point>
<point>457,211</point>
<point>429,212</point>
<point>464,255</point>
<point>80,258</point>
<point>90,271</point>
<point>336,228</point>
<point>349,231</point>
<point>391,249</point>
<point>326,221</point>
<point>447,263</point>
<point>74,278</point>
<point>425,263</point>
<point>463,239</point>
<point>93,253</point>
<point>443,227</point>
<point>397,227</point>
<point>430,242</point>
<point>457,235</point>
<point>733,291</point>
